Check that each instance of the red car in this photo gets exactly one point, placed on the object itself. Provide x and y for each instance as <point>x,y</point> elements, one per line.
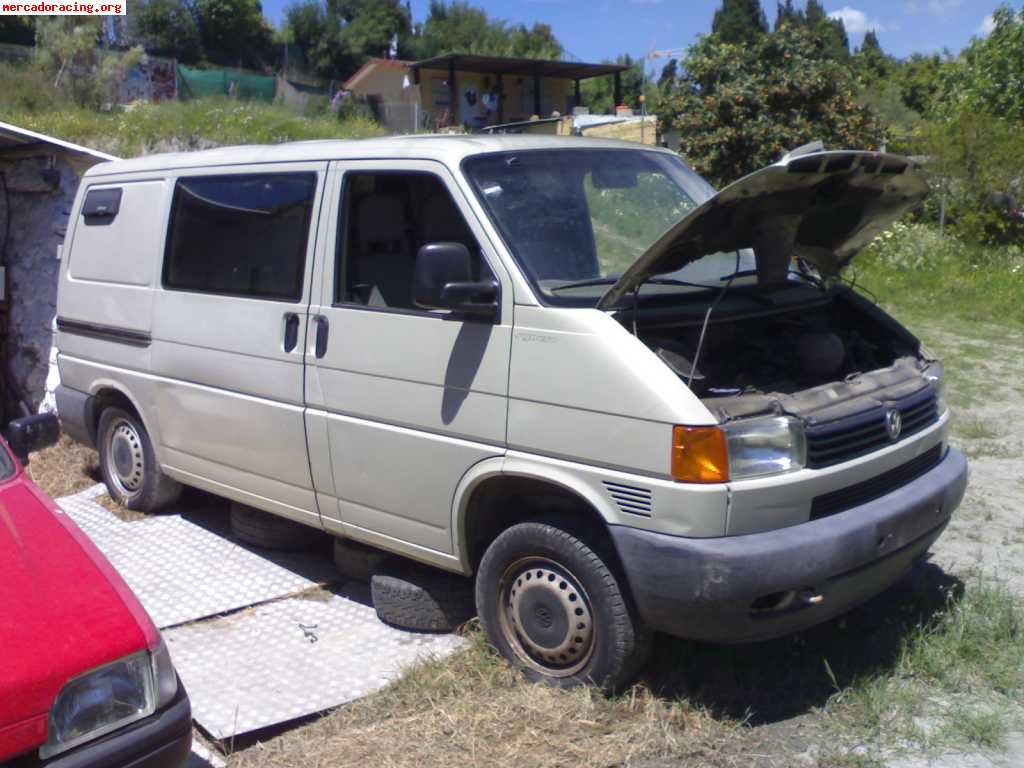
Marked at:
<point>85,678</point>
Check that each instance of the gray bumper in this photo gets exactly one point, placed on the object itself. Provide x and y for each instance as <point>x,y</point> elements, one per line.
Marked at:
<point>705,589</point>
<point>76,411</point>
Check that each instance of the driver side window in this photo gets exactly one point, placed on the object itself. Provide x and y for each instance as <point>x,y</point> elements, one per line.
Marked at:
<point>385,219</point>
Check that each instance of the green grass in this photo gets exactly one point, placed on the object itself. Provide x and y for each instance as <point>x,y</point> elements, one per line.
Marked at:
<point>920,274</point>
<point>28,100</point>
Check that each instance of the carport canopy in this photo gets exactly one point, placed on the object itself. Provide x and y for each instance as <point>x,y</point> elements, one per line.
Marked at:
<point>536,68</point>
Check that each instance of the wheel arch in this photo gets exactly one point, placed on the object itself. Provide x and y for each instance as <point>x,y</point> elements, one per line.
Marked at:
<point>106,393</point>
<point>493,496</point>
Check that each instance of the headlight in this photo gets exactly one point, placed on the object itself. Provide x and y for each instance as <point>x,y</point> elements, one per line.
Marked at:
<point>765,447</point>
<point>110,697</point>
<point>737,451</point>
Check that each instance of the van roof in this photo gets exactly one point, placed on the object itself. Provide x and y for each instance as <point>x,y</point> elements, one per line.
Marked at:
<point>447,148</point>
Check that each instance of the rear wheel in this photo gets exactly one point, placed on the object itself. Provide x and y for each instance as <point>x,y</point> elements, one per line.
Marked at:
<point>550,604</point>
<point>128,464</point>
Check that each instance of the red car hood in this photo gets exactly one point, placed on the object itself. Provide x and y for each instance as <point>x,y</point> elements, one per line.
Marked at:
<point>63,611</point>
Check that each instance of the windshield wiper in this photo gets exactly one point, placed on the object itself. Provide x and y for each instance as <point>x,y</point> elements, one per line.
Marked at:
<point>613,280</point>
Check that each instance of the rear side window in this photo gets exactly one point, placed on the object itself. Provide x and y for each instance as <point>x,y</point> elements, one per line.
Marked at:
<point>240,235</point>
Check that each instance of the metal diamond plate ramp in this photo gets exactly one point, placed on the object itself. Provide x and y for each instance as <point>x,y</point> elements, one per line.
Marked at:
<point>291,658</point>
<point>182,571</point>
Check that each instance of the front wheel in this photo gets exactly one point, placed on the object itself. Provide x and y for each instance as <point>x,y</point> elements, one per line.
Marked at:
<point>551,605</point>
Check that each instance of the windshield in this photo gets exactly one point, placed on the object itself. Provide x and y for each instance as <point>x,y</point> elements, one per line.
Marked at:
<point>585,215</point>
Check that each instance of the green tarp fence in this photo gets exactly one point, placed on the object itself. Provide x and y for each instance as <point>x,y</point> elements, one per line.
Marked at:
<point>199,83</point>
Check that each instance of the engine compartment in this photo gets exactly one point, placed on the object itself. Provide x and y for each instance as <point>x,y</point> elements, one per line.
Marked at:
<point>759,351</point>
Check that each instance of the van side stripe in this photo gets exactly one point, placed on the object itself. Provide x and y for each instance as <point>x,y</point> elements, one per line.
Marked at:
<point>105,332</point>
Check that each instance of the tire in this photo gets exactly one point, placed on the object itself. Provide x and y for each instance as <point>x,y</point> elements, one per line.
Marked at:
<point>552,605</point>
<point>128,464</point>
<point>357,561</point>
<point>421,598</point>
<point>266,531</point>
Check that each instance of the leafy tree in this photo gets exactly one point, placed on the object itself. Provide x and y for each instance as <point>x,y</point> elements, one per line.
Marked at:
<point>18,30</point>
<point>740,21</point>
<point>918,80</point>
<point>459,27</point>
<point>67,48</point>
<point>831,32</point>
<point>168,28</point>
<point>234,32</point>
<point>62,42</point>
<point>785,13</point>
<point>988,76</point>
<point>338,36</point>
<point>740,107</point>
<point>599,92</point>
<point>871,62</point>
<point>669,73</point>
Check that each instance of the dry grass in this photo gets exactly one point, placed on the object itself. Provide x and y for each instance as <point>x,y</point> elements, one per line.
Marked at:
<point>65,468</point>
<point>122,513</point>
<point>472,709</point>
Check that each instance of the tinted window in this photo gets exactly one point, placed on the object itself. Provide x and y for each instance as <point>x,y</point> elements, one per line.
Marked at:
<point>386,219</point>
<point>240,235</point>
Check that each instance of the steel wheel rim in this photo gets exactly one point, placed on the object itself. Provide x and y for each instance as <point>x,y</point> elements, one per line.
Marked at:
<point>126,460</point>
<point>537,596</point>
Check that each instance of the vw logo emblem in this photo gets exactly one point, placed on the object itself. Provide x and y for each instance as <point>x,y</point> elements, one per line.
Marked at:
<point>893,423</point>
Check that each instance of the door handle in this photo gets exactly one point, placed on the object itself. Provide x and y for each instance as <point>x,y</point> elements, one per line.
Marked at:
<point>291,331</point>
<point>322,328</point>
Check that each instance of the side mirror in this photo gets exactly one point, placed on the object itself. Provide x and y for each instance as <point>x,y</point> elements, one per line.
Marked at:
<point>444,280</point>
<point>32,433</point>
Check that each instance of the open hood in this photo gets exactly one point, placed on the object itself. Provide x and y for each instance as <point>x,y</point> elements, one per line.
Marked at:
<point>822,207</point>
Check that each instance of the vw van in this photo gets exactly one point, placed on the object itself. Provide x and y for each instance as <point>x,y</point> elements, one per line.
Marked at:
<point>565,368</point>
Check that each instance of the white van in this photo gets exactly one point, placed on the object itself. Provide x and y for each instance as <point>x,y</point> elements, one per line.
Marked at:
<point>564,367</point>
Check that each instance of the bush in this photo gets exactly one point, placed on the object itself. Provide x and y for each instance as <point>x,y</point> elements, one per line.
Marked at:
<point>912,269</point>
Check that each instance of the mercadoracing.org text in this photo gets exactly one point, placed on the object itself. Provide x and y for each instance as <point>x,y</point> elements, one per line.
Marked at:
<point>62,9</point>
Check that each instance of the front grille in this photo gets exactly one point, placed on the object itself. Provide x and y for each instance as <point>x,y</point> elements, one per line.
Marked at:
<point>630,498</point>
<point>861,493</point>
<point>845,439</point>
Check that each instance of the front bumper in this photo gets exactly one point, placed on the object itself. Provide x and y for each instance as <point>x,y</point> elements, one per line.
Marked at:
<point>705,589</point>
<point>162,740</point>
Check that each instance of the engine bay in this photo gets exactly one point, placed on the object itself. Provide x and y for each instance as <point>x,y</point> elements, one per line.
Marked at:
<point>785,352</point>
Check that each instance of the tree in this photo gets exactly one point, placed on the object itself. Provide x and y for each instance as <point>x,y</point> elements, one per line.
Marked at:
<point>18,30</point>
<point>459,27</point>
<point>739,21</point>
<point>234,32</point>
<point>787,14</point>
<point>167,28</point>
<point>740,107</point>
<point>336,38</point>
<point>871,62</point>
<point>918,81</point>
<point>834,43</point>
<point>599,92</point>
<point>65,41</point>
<point>669,73</point>
<point>988,76</point>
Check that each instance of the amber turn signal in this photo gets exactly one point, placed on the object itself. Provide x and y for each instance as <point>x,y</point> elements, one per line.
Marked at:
<point>699,455</point>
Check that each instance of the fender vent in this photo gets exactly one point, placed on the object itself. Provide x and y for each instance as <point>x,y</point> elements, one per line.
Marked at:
<point>631,499</point>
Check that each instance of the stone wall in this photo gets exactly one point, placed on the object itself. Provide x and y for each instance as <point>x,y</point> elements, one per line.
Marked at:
<point>41,190</point>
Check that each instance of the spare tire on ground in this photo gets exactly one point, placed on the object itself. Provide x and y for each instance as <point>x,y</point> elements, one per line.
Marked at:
<point>417,597</point>
<point>262,529</point>
<point>357,561</point>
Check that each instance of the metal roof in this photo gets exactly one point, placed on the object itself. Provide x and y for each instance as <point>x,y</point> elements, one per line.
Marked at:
<point>12,137</point>
<point>497,65</point>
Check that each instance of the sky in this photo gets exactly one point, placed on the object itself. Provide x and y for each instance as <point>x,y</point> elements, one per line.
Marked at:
<point>592,30</point>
